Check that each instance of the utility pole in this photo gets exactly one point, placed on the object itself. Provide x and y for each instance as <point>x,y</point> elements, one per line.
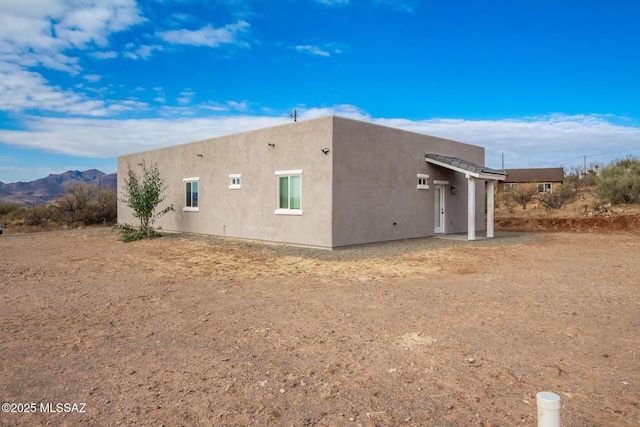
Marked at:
<point>584,171</point>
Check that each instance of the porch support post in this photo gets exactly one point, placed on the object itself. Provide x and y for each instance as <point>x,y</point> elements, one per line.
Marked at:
<point>490,208</point>
<point>471,209</point>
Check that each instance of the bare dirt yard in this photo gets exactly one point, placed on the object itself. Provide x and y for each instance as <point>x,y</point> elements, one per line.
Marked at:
<point>192,330</point>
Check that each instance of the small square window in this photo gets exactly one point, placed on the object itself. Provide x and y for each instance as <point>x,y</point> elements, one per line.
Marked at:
<point>423,182</point>
<point>235,181</point>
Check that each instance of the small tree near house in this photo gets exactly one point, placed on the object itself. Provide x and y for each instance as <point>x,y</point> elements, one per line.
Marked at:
<point>144,195</point>
<point>523,194</point>
<point>564,194</point>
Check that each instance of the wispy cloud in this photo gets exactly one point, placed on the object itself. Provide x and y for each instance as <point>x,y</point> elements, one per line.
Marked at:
<point>554,140</point>
<point>104,55</point>
<point>117,137</point>
<point>227,106</point>
<point>325,50</point>
<point>50,34</point>
<point>144,51</point>
<point>334,2</point>
<point>24,91</point>
<point>92,77</point>
<point>208,35</point>
<point>185,97</point>
<point>399,5</point>
<point>314,50</point>
<point>40,33</point>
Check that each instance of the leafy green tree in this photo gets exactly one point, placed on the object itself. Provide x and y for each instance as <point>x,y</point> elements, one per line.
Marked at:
<point>619,181</point>
<point>144,194</point>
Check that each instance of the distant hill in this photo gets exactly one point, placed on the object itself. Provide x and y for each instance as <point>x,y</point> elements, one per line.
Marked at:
<point>47,189</point>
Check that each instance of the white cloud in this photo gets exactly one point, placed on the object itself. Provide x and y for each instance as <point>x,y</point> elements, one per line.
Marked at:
<point>92,77</point>
<point>48,34</point>
<point>40,31</point>
<point>314,50</point>
<point>111,138</point>
<point>238,106</point>
<point>185,97</point>
<point>142,52</point>
<point>325,49</point>
<point>104,55</point>
<point>227,106</point>
<point>334,2</point>
<point>554,140</point>
<point>207,36</point>
<point>24,90</point>
<point>542,141</point>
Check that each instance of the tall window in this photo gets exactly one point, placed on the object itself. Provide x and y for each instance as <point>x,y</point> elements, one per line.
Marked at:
<point>192,194</point>
<point>289,192</point>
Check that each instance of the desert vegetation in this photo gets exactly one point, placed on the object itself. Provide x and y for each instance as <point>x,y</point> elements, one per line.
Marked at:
<point>144,194</point>
<point>82,205</point>
<point>593,191</point>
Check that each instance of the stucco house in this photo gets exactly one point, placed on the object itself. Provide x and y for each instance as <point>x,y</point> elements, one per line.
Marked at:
<point>328,183</point>
<point>546,180</point>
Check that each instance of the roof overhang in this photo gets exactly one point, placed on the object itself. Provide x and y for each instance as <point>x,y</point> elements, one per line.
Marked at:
<point>465,167</point>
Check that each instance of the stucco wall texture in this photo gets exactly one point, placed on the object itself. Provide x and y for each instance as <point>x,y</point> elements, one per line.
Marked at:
<point>358,183</point>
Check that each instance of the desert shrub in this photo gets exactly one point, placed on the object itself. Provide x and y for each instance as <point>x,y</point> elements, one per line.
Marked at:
<point>86,204</point>
<point>503,199</point>
<point>523,194</point>
<point>563,195</point>
<point>131,233</point>
<point>577,179</point>
<point>107,206</point>
<point>7,208</point>
<point>144,195</point>
<point>37,215</point>
<point>619,181</point>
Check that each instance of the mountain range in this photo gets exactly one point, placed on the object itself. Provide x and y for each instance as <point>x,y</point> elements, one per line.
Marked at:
<point>47,189</point>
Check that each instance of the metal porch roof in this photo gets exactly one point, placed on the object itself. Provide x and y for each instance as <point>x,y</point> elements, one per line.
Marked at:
<point>463,166</point>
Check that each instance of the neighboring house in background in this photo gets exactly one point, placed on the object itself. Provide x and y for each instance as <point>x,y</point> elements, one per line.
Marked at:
<point>329,182</point>
<point>545,179</point>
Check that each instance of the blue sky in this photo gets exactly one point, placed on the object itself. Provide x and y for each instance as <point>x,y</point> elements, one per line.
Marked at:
<point>544,82</point>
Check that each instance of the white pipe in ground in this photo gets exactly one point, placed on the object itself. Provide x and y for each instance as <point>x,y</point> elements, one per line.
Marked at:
<point>548,409</point>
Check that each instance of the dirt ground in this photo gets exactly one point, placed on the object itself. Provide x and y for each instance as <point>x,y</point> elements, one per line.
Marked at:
<point>192,330</point>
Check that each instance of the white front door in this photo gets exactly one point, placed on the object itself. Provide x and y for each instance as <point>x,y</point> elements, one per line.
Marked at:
<point>438,209</point>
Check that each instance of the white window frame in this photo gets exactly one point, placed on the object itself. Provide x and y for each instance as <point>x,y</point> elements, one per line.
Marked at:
<point>510,186</point>
<point>544,185</point>
<point>288,173</point>
<point>235,180</point>
<point>191,208</point>
<point>423,181</point>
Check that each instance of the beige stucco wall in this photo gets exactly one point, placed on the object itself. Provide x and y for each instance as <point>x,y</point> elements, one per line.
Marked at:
<point>247,212</point>
<point>375,179</point>
<point>351,195</point>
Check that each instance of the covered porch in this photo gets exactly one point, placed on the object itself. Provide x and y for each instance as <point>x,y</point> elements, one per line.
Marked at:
<point>472,173</point>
